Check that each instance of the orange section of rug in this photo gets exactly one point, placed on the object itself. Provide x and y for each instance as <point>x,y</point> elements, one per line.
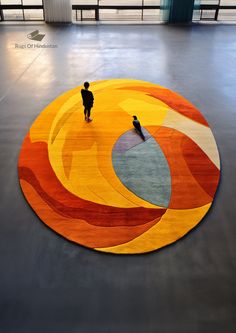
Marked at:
<point>192,186</point>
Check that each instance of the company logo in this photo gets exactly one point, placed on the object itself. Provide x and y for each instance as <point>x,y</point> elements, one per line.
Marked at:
<point>35,35</point>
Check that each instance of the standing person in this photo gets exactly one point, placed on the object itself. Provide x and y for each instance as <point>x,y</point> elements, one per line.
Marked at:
<point>88,99</point>
<point>138,128</point>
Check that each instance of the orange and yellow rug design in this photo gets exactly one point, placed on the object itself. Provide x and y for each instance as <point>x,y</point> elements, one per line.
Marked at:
<point>100,185</point>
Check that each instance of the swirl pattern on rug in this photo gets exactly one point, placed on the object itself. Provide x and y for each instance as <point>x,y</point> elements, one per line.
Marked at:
<point>100,185</point>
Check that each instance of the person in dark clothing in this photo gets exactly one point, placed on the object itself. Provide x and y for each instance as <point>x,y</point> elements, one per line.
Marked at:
<point>88,99</point>
<point>138,128</point>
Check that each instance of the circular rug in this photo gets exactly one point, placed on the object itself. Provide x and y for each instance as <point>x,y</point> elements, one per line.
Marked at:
<point>99,184</point>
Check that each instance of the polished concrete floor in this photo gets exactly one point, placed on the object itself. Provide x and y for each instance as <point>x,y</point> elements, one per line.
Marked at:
<point>48,284</point>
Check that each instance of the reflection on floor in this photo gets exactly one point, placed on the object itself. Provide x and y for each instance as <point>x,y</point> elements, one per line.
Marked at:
<point>51,285</point>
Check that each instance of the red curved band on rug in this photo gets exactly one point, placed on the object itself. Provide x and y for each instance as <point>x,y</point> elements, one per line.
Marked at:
<point>80,231</point>
<point>191,186</point>
<point>174,101</point>
<point>37,171</point>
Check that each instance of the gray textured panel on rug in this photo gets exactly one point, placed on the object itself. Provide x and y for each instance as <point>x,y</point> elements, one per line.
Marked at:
<point>142,167</point>
<point>130,139</point>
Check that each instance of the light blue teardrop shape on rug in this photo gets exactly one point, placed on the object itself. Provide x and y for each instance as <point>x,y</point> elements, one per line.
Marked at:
<point>142,167</point>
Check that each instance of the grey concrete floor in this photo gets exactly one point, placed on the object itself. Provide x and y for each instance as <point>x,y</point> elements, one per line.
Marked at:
<point>48,284</point>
